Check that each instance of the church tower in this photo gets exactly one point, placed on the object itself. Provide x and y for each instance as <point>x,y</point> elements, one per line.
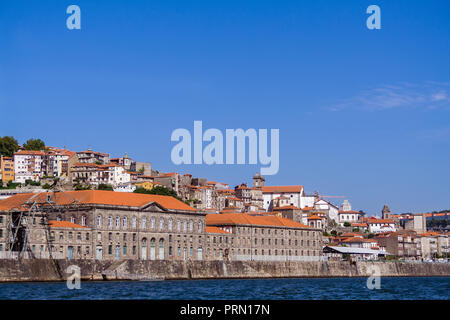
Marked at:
<point>258,180</point>
<point>386,212</point>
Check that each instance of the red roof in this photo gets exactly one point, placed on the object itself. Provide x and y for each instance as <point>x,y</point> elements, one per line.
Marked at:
<point>245,219</point>
<point>63,224</point>
<point>210,229</point>
<point>281,189</point>
<point>290,207</point>
<point>97,197</point>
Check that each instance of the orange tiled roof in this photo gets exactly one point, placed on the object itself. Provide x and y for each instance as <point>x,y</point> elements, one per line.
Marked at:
<point>314,217</point>
<point>370,221</point>
<point>245,219</point>
<point>356,224</point>
<point>226,191</point>
<point>210,229</point>
<point>166,175</point>
<point>430,234</point>
<point>98,197</point>
<point>279,189</point>
<point>290,207</point>
<point>94,152</point>
<point>348,212</point>
<point>351,234</point>
<point>63,224</point>
<point>30,152</point>
<point>356,240</point>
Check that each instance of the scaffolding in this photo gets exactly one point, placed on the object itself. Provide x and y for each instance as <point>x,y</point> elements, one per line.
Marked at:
<point>19,226</point>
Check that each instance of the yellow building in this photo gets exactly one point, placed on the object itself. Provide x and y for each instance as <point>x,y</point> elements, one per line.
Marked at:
<point>146,185</point>
<point>6,169</point>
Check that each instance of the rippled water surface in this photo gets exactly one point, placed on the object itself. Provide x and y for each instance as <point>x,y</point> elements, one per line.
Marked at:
<point>277,289</point>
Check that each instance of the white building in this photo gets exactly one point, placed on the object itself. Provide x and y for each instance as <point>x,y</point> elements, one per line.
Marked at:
<point>351,216</point>
<point>95,174</point>
<point>328,208</point>
<point>295,194</point>
<point>28,165</point>
<point>125,187</point>
<point>381,225</point>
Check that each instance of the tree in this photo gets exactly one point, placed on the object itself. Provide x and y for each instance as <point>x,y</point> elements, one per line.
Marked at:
<point>34,144</point>
<point>362,213</point>
<point>81,187</point>
<point>103,186</point>
<point>347,224</point>
<point>8,145</point>
<point>158,190</point>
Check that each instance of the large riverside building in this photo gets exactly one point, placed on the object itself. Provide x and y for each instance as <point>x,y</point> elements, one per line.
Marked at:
<point>270,238</point>
<point>122,225</point>
<point>107,225</point>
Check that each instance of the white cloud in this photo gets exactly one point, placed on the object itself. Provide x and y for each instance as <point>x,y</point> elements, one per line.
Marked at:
<point>429,95</point>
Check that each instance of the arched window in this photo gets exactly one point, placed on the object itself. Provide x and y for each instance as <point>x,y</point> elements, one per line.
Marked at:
<point>152,223</point>
<point>200,230</point>
<point>110,222</point>
<point>191,226</point>
<point>161,249</point>
<point>178,225</point>
<point>161,223</point>
<point>83,221</point>
<point>133,222</point>
<point>99,221</point>
<point>184,226</point>
<point>124,222</point>
<point>117,222</point>
<point>169,224</point>
<point>144,223</point>
<point>72,219</point>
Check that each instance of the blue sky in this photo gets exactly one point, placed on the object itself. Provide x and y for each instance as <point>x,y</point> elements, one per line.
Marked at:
<point>362,113</point>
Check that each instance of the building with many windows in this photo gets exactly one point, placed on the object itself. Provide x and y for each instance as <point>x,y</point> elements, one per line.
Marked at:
<point>6,169</point>
<point>268,238</point>
<point>107,225</point>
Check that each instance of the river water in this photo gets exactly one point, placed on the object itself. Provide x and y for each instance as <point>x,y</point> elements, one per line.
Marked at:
<point>422,288</point>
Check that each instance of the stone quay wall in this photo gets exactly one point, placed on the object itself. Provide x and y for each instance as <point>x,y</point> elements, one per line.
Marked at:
<point>57,270</point>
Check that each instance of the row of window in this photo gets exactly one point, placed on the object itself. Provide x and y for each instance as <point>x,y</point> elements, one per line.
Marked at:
<point>248,230</point>
<point>276,252</point>
<point>118,223</point>
<point>70,234</point>
<point>289,242</point>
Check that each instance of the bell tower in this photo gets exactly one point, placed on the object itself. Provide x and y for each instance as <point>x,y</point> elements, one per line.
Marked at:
<point>258,180</point>
<point>386,212</point>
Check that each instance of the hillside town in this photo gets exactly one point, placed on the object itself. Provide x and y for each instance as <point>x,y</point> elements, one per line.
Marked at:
<point>62,204</point>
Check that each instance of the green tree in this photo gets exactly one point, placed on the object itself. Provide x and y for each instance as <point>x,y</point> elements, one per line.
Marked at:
<point>158,190</point>
<point>103,186</point>
<point>34,144</point>
<point>347,224</point>
<point>81,187</point>
<point>8,145</point>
